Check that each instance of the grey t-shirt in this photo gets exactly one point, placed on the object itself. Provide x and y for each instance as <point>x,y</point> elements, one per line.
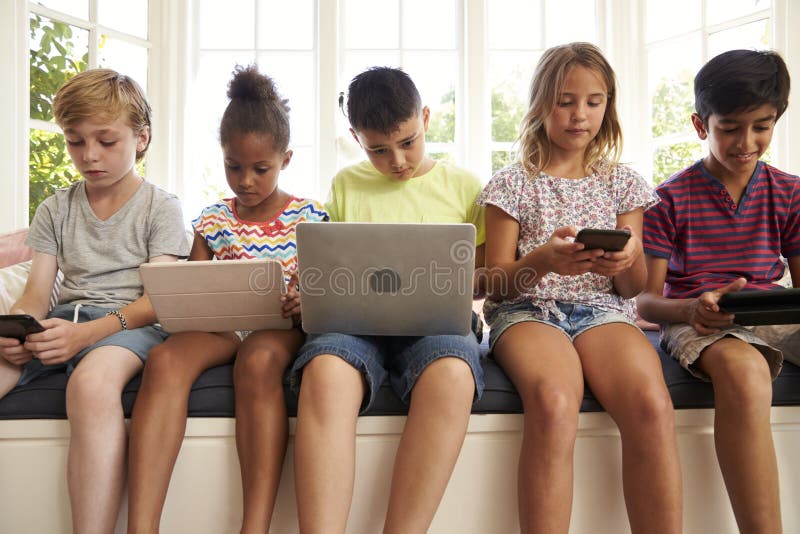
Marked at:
<point>100,259</point>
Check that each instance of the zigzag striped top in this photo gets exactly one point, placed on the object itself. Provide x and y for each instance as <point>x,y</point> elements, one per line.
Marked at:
<point>231,238</point>
<point>710,241</point>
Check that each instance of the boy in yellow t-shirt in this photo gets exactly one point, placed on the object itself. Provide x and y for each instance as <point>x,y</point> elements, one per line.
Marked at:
<point>342,373</point>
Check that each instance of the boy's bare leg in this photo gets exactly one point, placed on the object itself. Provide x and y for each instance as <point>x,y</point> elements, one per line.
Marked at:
<point>430,444</point>
<point>158,423</point>
<point>548,376</point>
<point>625,375</point>
<point>743,434</point>
<point>331,392</point>
<point>262,426</point>
<point>9,376</point>
<point>96,459</point>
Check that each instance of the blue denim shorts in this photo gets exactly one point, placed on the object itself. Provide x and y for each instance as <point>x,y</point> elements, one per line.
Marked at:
<point>575,318</point>
<point>401,359</point>
<point>138,340</point>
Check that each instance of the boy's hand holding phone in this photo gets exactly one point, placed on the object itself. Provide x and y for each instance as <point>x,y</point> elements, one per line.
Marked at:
<point>13,332</point>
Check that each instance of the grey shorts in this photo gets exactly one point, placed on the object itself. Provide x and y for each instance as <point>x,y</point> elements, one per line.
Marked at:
<point>137,340</point>
<point>775,342</point>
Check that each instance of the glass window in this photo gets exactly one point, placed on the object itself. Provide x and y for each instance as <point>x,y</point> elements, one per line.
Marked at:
<point>581,17</point>
<point>514,24</point>
<point>669,19</point>
<point>371,25</point>
<point>718,11</point>
<point>223,26</point>
<point>58,51</point>
<point>425,24</point>
<point>130,17</point>
<point>75,8</point>
<point>755,35</point>
<point>124,57</point>
<point>286,25</point>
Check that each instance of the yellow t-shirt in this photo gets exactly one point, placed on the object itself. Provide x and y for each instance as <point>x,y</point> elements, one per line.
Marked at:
<point>446,193</point>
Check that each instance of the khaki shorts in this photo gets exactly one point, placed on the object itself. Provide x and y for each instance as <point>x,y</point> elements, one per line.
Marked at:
<point>775,342</point>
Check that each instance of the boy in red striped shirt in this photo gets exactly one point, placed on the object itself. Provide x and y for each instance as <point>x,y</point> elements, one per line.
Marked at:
<point>725,224</point>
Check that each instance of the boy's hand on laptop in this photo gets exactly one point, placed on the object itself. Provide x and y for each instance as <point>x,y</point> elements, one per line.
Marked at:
<point>566,257</point>
<point>60,341</point>
<point>704,313</point>
<point>291,300</point>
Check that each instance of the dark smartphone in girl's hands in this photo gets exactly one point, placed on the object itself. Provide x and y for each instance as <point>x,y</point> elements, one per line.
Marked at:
<point>608,240</point>
<point>19,326</point>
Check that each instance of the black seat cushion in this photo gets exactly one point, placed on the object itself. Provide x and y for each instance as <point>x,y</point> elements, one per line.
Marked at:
<point>212,393</point>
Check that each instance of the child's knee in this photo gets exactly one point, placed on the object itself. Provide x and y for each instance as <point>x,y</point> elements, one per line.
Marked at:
<point>551,409</point>
<point>259,367</point>
<point>89,392</point>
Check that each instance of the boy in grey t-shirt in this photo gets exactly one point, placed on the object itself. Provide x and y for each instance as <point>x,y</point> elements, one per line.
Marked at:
<point>97,232</point>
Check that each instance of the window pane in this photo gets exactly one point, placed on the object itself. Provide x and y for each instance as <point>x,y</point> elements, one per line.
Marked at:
<point>49,166</point>
<point>667,19</point>
<point>226,25</point>
<point>510,77</point>
<point>429,24</point>
<point>755,35</point>
<point>294,77</point>
<point>370,24</point>
<point>671,70</point>
<point>722,10</point>
<point>129,17</point>
<point>300,177</point>
<point>436,78</point>
<point>570,20</point>
<point>286,25</point>
<point>57,52</point>
<point>76,8</point>
<point>668,160</point>
<point>514,24</point>
<point>501,158</point>
<point>124,57</point>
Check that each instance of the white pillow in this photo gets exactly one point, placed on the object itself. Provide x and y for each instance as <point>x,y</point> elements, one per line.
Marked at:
<point>12,284</point>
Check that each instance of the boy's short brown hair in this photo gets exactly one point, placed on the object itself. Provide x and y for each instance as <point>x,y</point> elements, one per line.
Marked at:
<point>106,95</point>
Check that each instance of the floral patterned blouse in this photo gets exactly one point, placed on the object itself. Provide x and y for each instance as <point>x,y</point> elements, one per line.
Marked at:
<point>542,203</point>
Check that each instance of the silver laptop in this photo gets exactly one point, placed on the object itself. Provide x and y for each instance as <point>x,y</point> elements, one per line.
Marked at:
<point>386,279</point>
<point>216,296</point>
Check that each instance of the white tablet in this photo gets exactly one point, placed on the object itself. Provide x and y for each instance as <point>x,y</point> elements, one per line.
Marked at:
<point>216,296</point>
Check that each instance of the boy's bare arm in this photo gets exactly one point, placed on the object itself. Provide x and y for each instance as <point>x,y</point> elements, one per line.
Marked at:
<point>35,299</point>
<point>702,312</point>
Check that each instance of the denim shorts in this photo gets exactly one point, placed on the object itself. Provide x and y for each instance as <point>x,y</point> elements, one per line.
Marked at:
<point>775,342</point>
<point>401,359</point>
<point>138,340</point>
<point>574,319</point>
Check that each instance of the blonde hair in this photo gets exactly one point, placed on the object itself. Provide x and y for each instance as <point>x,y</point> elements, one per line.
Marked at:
<point>105,95</point>
<point>546,86</point>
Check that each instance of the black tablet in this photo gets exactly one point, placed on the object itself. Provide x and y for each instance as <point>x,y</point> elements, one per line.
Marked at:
<point>763,306</point>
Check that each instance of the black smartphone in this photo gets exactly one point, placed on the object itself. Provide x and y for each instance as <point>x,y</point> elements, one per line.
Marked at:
<point>19,326</point>
<point>608,240</point>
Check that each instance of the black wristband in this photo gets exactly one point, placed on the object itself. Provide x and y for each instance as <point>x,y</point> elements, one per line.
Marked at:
<point>119,316</point>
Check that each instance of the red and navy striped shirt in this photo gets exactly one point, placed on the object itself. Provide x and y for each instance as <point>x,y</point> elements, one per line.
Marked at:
<point>710,241</point>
